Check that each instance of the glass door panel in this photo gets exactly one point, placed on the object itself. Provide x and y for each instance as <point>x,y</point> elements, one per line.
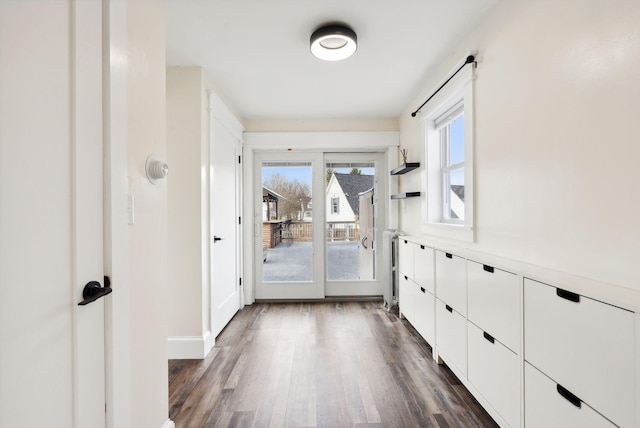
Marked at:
<point>287,265</point>
<point>287,232</point>
<point>351,223</point>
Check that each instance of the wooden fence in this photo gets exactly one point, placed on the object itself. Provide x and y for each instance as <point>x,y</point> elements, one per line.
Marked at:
<point>274,232</point>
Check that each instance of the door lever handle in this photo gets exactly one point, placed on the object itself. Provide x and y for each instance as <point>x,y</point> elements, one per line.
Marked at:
<point>93,291</point>
<point>217,238</point>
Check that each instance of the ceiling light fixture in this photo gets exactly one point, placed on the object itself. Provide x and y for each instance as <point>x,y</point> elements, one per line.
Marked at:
<point>333,42</point>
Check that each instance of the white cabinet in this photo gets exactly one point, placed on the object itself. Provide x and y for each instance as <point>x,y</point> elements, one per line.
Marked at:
<point>548,405</point>
<point>417,287</point>
<point>405,257</point>
<point>495,372</point>
<point>451,281</point>
<point>423,267</point>
<point>494,302</point>
<point>425,317</point>
<point>584,345</point>
<point>407,298</point>
<point>451,336</point>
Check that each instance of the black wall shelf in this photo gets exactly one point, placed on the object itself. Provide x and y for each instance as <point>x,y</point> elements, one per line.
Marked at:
<point>405,195</point>
<point>405,167</point>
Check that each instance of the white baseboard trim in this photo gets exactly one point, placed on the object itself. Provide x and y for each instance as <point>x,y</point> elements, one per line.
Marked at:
<point>169,424</point>
<point>189,347</point>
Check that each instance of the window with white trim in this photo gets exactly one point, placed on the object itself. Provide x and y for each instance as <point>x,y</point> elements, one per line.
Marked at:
<point>451,129</point>
<point>335,205</point>
<point>448,157</point>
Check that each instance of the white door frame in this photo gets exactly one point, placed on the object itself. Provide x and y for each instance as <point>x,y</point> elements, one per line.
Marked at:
<point>381,195</point>
<point>313,289</point>
<point>221,116</point>
<point>384,142</point>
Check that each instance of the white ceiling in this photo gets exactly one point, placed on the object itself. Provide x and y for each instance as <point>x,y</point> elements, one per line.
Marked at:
<point>256,52</point>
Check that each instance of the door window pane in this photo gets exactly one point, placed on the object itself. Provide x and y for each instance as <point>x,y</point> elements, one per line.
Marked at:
<point>287,230</point>
<point>350,228</point>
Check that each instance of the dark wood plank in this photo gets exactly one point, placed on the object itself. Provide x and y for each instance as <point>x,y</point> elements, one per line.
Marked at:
<point>340,364</point>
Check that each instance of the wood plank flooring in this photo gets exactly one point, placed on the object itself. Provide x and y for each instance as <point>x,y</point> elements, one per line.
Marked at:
<point>349,364</point>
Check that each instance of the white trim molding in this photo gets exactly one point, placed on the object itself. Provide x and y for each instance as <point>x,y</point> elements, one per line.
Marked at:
<point>189,347</point>
<point>322,141</point>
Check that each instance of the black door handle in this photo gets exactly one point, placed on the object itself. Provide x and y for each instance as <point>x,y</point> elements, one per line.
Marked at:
<point>217,238</point>
<point>93,291</point>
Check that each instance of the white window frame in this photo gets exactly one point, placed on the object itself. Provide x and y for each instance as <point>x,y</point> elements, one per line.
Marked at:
<point>459,91</point>
<point>335,205</point>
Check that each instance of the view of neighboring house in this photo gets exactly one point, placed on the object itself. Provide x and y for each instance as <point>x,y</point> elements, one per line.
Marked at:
<point>342,195</point>
<point>457,201</point>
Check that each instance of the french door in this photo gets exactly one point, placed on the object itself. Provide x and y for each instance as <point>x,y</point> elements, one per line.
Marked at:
<point>316,224</point>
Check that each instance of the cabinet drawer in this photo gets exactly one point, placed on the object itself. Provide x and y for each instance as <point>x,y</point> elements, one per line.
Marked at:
<point>545,407</point>
<point>494,371</point>
<point>494,302</point>
<point>585,345</point>
<point>423,267</point>
<point>406,298</point>
<point>451,280</point>
<point>425,315</point>
<point>451,334</point>
<point>405,257</point>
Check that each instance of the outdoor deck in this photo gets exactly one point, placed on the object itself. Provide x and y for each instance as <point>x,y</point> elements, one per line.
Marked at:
<point>293,261</point>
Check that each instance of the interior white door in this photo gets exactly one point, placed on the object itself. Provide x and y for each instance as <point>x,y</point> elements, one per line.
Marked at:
<point>87,201</point>
<point>224,199</point>
<point>52,366</point>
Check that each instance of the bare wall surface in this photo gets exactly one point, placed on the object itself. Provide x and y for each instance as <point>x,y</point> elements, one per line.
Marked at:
<point>184,140</point>
<point>148,236</point>
<point>557,138</point>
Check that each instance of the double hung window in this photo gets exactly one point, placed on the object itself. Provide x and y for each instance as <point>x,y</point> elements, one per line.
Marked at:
<point>448,156</point>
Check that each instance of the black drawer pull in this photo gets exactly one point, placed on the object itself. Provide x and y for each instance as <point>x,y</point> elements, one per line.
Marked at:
<point>448,255</point>
<point>449,308</point>
<point>405,241</point>
<point>422,289</point>
<point>569,396</point>
<point>568,295</point>
<point>422,247</point>
<point>488,337</point>
<point>406,278</point>
<point>487,268</point>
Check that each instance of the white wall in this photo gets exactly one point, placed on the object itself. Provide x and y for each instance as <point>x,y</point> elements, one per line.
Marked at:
<point>187,156</point>
<point>148,236</point>
<point>557,150</point>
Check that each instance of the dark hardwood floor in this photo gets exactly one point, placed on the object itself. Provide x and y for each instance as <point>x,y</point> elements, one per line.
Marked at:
<point>319,365</point>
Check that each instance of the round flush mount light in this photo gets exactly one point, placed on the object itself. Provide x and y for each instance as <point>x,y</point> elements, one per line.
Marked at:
<point>333,42</point>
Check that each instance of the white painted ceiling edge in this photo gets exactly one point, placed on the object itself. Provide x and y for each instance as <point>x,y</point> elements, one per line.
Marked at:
<point>258,56</point>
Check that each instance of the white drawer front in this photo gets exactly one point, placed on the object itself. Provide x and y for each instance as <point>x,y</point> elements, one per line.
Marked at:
<point>451,281</point>
<point>423,267</point>
<point>405,257</point>
<point>494,302</point>
<point>451,336</point>
<point>587,346</point>
<point>545,407</point>
<point>425,314</point>
<point>407,299</point>
<point>494,371</point>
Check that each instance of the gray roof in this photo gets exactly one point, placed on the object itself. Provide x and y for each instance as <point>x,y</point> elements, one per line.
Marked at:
<point>458,190</point>
<point>352,185</point>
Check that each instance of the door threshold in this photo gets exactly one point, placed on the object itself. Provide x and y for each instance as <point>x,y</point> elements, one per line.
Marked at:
<point>328,299</point>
